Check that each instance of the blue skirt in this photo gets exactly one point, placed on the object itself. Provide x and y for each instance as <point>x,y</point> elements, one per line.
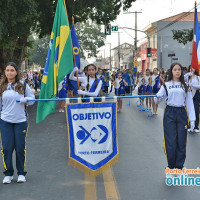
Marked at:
<point>62,93</point>
<point>149,89</point>
<point>155,89</point>
<point>141,89</point>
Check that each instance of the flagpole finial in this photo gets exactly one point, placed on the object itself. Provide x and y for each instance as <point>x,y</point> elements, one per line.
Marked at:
<point>73,19</point>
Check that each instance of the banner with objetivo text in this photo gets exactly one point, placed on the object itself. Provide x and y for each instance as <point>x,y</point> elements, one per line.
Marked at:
<point>93,142</point>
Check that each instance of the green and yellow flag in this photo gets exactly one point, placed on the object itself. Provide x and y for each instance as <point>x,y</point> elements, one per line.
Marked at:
<point>59,62</point>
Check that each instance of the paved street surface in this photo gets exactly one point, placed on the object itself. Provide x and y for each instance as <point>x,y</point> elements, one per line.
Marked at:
<point>138,176</point>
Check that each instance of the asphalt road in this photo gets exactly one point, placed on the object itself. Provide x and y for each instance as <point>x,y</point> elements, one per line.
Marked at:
<point>139,175</point>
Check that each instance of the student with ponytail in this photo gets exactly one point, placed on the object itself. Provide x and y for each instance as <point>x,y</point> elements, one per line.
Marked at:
<point>91,83</point>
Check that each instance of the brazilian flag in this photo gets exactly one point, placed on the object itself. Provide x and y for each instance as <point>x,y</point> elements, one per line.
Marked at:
<point>59,62</point>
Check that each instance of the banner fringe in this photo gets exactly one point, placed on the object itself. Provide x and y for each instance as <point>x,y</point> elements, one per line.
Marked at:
<point>90,172</point>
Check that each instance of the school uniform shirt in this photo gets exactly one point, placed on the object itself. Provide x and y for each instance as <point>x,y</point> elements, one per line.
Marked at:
<point>194,81</point>
<point>84,82</point>
<point>147,80</point>
<point>177,97</point>
<point>140,81</point>
<point>153,79</point>
<point>12,111</point>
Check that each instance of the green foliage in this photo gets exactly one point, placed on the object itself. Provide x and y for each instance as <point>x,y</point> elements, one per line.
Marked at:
<point>183,36</point>
<point>39,51</point>
<point>99,11</point>
<point>19,18</point>
<point>90,38</point>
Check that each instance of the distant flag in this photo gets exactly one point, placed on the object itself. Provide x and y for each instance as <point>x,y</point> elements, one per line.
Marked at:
<point>195,62</point>
<point>76,48</point>
<point>59,62</point>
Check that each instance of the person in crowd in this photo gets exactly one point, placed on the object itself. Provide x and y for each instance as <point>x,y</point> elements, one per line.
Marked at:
<point>100,75</point>
<point>193,80</point>
<point>120,85</point>
<point>141,87</point>
<point>62,93</point>
<point>155,88</point>
<point>175,121</point>
<point>92,83</point>
<point>14,125</point>
<point>148,82</point>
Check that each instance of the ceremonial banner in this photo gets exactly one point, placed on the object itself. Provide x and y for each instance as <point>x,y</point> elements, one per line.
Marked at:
<point>93,143</point>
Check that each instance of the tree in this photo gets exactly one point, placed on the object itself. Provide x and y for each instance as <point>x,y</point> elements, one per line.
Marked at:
<point>99,11</point>
<point>39,51</point>
<point>183,36</point>
<point>90,38</point>
<point>19,18</point>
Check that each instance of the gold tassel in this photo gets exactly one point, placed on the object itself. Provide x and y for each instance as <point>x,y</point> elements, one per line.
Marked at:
<point>90,172</point>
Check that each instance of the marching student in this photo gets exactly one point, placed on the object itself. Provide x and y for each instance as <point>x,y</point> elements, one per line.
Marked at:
<point>148,82</point>
<point>120,85</point>
<point>193,80</point>
<point>14,122</point>
<point>100,75</point>
<point>175,120</point>
<point>155,88</point>
<point>62,93</point>
<point>92,83</point>
<point>141,87</point>
<point>113,77</point>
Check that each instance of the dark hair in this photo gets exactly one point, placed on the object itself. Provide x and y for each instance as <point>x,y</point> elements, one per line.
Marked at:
<point>88,85</point>
<point>181,79</point>
<point>147,70</point>
<point>19,87</point>
<point>196,72</point>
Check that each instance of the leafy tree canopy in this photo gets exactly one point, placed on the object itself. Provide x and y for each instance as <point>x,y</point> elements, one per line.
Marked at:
<point>183,36</point>
<point>19,18</point>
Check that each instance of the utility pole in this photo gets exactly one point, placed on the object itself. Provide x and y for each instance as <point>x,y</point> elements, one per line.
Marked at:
<point>135,43</point>
<point>110,58</point>
<point>119,48</point>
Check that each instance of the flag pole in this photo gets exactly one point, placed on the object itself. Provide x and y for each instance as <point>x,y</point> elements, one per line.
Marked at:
<point>75,60</point>
<point>72,46</point>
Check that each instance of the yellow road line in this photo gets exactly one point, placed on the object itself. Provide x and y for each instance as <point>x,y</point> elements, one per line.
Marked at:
<point>110,185</point>
<point>90,188</point>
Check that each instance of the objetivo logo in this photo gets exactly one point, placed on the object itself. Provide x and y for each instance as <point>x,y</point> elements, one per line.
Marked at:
<point>98,134</point>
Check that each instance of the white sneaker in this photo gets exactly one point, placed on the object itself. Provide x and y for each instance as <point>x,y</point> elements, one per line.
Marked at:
<point>21,179</point>
<point>7,179</point>
<point>62,110</point>
<point>196,130</point>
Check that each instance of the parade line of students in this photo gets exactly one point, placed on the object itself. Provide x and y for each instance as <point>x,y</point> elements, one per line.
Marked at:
<point>179,88</point>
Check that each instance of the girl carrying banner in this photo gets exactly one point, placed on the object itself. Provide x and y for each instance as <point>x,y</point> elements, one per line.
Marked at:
<point>92,83</point>
<point>14,125</point>
<point>120,85</point>
<point>193,80</point>
<point>175,121</point>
